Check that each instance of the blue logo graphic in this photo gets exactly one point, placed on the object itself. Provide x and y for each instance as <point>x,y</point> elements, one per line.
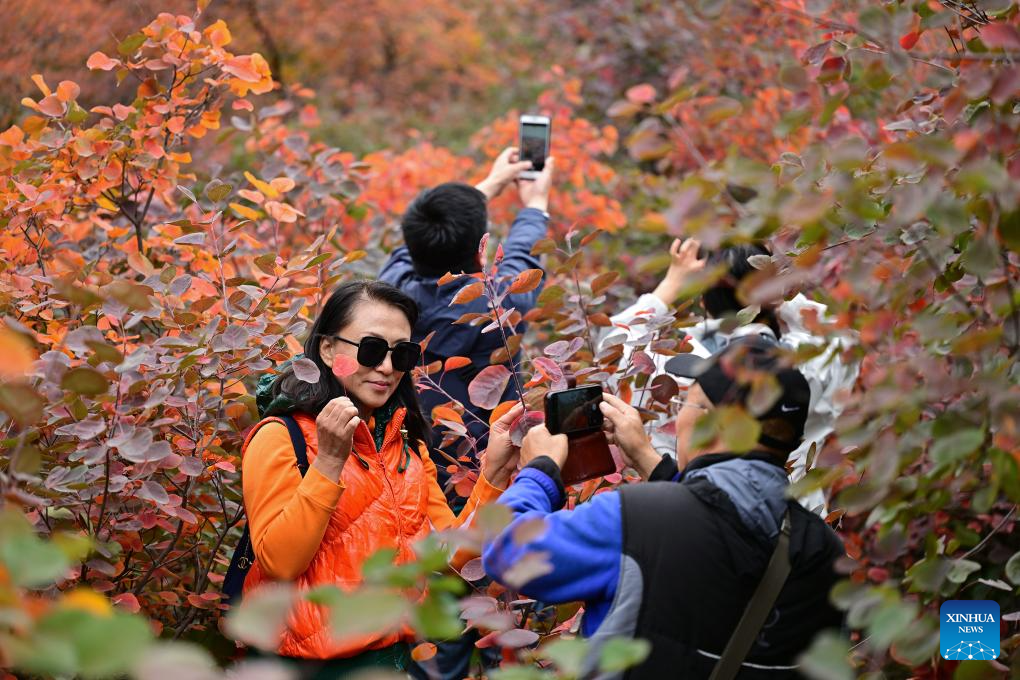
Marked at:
<point>969,630</point>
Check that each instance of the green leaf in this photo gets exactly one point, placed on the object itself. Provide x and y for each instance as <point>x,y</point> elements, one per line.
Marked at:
<point>929,574</point>
<point>21,403</point>
<point>521,673</point>
<point>366,611</point>
<point>827,658</point>
<point>85,381</point>
<point>1009,230</point>
<point>32,562</point>
<point>961,569</point>
<point>104,646</point>
<point>130,44</point>
<point>981,257</point>
<point>956,446</point>
<point>619,654</point>
<point>1013,569</point>
<point>218,190</point>
<point>567,653</point>
<point>438,617</point>
<point>738,429</point>
<point>261,617</point>
<point>889,621</point>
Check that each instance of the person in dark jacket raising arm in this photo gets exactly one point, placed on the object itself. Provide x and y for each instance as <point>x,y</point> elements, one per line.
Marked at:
<point>676,560</point>
<point>442,229</point>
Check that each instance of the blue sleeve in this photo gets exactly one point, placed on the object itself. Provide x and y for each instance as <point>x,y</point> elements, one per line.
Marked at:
<point>397,267</point>
<point>583,545</point>
<point>530,226</point>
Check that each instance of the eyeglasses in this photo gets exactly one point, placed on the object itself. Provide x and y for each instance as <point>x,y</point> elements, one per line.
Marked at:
<point>679,401</point>
<point>372,351</point>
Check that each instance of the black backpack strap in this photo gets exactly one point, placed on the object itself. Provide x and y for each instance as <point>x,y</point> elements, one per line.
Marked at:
<point>297,440</point>
<point>244,553</point>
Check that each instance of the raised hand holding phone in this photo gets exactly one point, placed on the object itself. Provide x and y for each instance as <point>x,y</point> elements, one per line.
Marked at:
<point>576,413</point>
<point>535,136</point>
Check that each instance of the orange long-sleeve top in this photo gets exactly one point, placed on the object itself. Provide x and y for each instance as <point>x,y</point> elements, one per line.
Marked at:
<point>288,514</point>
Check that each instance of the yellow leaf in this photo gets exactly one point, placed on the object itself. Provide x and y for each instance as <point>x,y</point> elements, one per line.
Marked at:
<point>264,187</point>
<point>218,34</point>
<point>107,204</point>
<point>245,212</point>
<point>87,600</point>
<point>41,84</point>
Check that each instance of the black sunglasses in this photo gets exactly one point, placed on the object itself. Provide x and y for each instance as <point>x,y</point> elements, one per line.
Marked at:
<point>372,352</point>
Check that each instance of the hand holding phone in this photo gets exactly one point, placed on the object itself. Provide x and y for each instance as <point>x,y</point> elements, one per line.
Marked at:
<point>534,144</point>
<point>576,413</point>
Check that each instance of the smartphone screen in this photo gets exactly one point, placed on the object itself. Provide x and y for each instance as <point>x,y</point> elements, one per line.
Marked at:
<point>534,140</point>
<point>575,410</point>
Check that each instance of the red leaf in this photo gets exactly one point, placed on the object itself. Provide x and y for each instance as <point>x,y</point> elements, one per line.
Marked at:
<point>908,40</point>
<point>517,638</point>
<point>550,369</point>
<point>127,602</point>
<point>641,94</point>
<point>1001,35</point>
<point>486,390</point>
<point>453,363</point>
<point>344,365</point>
<point>526,281</point>
<point>468,293</point>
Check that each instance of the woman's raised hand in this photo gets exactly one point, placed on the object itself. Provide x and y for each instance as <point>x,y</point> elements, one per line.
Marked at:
<point>500,458</point>
<point>335,430</point>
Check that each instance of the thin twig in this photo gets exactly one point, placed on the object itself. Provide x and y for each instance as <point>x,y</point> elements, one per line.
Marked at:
<point>991,533</point>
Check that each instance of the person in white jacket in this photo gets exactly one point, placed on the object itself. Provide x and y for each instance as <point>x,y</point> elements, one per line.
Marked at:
<point>649,321</point>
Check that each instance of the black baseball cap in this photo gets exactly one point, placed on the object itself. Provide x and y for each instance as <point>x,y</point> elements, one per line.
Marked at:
<point>717,375</point>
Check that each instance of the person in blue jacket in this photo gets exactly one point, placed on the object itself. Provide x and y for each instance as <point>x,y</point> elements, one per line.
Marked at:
<point>675,560</point>
<point>442,229</point>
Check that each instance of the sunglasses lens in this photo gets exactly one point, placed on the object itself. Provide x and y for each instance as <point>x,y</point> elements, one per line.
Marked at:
<point>406,355</point>
<point>372,351</point>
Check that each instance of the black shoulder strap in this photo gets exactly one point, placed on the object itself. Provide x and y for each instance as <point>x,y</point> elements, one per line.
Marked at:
<point>244,553</point>
<point>297,440</point>
<point>757,609</point>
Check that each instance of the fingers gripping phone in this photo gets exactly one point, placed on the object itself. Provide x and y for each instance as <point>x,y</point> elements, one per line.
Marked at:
<point>534,143</point>
<point>576,413</point>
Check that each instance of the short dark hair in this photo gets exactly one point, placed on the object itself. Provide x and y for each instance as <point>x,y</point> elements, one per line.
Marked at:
<point>721,299</point>
<point>442,228</point>
<point>337,313</point>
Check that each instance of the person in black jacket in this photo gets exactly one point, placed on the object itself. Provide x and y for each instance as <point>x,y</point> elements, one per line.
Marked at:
<point>675,560</point>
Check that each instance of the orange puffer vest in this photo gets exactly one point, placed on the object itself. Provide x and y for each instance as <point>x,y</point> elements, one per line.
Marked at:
<point>379,508</point>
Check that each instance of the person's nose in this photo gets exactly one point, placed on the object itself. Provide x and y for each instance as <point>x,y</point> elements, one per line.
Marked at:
<point>386,367</point>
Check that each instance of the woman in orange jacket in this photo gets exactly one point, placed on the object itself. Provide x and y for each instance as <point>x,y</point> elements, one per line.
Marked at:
<point>371,483</point>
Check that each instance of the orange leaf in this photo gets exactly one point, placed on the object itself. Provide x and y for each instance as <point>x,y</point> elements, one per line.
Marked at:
<point>641,94</point>
<point>282,184</point>
<point>68,90</point>
<point>100,61</point>
<point>17,353</point>
<point>468,293</point>
<point>12,136</point>
<point>526,281</point>
<point>264,187</point>
<point>447,278</point>
<point>453,363</point>
<point>41,84</point>
<point>218,34</point>
<point>501,410</point>
<point>446,413</point>
<point>423,652</point>
<point>51,106</point>
<point>283,212</point>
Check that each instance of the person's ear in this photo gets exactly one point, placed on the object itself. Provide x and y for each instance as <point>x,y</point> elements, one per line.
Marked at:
<point>326,350</point>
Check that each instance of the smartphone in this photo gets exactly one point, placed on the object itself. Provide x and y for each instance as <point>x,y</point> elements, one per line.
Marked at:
<point>574,410</point>
<point>534,144</point>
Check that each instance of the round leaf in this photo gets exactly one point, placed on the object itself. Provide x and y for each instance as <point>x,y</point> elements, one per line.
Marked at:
<point>486,390</point>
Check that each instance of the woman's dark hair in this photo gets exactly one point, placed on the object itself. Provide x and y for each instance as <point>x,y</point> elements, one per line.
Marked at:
<point>338,311</point>
<point>721,299</point>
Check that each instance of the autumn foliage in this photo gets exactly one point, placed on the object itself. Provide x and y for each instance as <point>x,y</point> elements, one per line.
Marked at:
<point>167,236</point>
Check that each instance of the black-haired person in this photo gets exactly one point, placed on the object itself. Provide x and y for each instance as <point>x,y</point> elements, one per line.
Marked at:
<point>676,562</point>
<point>442,229</point>
<point>371,484</point>
<point>786,324</point>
